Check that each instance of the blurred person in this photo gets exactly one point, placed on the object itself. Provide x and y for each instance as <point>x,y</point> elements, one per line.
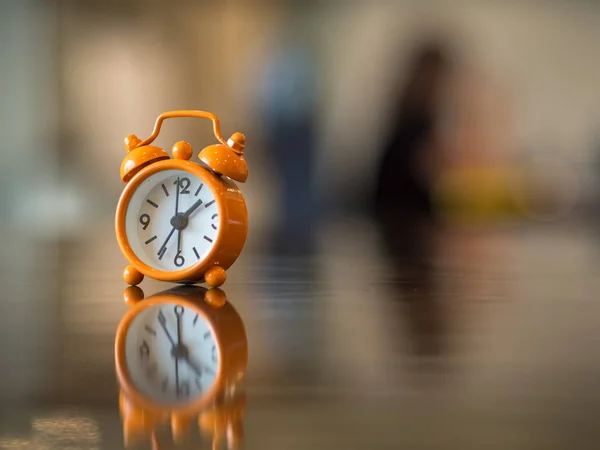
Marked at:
<point>405,208</point>
<point>288,106</point>
<point>412,153</point>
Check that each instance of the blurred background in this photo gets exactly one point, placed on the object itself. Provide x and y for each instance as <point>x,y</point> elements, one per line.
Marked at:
<point>423,194</point>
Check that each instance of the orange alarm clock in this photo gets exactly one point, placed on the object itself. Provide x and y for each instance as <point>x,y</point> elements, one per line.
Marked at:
<point>179,220</point>
<point>179,350</point>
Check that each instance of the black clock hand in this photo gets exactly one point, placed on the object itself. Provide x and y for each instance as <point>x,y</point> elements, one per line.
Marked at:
<point>177,198</point>
<point>178,313</point>
<point>163,323</point>
<point>185,215</point>
<point>162,247</point>
<point>192,208</point>
<point>195,367</point>
<point>177,376</point>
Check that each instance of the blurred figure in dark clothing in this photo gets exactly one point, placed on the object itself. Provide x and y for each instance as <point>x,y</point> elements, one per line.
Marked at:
<point>404,203</point>
<point>412,151</point>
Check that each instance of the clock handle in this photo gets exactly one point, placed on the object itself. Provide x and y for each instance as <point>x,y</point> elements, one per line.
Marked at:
<point>185,113</point>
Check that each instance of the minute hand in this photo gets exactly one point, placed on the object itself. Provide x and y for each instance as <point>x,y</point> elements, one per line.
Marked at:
<point>192,208</point>
<point>160,250</point>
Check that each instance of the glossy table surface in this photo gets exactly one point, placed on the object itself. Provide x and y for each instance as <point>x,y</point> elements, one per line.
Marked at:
<point>448,338</point>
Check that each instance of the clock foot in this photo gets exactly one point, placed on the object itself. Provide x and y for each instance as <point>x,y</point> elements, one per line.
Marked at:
<point>180,427</point>
<point>132,276</point>
<point>132,295</point>
<point>215,276</point>
<point>215,297</point>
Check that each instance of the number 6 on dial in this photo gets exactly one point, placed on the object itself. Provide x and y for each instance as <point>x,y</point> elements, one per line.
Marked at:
<point>178,220</point>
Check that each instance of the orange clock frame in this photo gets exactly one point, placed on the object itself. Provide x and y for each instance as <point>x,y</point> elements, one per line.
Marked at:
<point>233,223</point>
<point>229,334</point>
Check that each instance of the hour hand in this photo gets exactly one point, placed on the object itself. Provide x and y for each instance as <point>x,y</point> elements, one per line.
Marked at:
<point>193,208</point>
<point>194,367</point>
<point>197,369</point>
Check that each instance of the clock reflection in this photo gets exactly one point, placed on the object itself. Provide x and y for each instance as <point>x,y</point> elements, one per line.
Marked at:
<point>180,356</point>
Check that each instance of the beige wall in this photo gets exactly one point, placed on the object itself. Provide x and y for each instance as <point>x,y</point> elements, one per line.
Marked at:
<point>530,78</point>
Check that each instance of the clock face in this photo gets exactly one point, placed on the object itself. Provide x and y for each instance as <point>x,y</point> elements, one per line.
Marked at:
<point>172,220</point>
<point>171,354</point>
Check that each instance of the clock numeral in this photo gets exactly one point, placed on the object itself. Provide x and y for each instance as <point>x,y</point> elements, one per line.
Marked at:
<point>145,220</point>
<point>179,310</point>
<point>179,260</point>
<point>214,227</point>
<point>144,350</point>
<point>184,183</point>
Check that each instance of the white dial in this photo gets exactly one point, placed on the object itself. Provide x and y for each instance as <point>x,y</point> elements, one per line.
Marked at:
<point>171,354</point>
<point>172,220</point>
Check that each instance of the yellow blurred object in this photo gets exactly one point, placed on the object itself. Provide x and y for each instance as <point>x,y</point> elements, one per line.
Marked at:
<point>539,188</point>
<point>479,193</point>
